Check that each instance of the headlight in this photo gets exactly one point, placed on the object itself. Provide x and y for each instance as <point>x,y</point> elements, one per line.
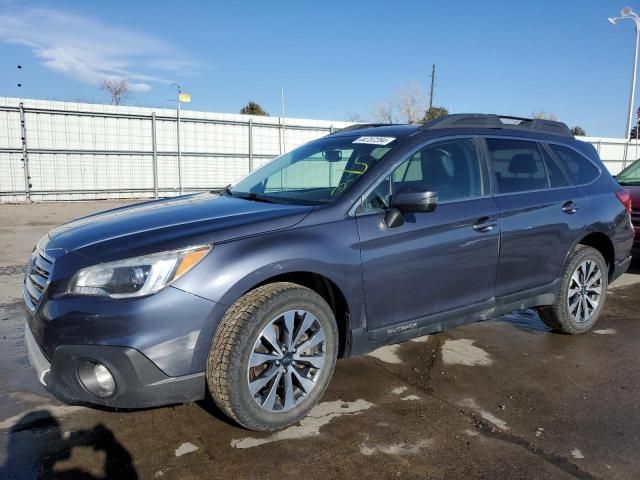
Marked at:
<point>135,277</point>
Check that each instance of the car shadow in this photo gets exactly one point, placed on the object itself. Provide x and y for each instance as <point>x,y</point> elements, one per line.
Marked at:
<point>37,447</point>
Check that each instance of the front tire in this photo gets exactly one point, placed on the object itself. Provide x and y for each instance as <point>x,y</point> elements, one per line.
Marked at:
<point>272,356</point>
<point>582,293</point>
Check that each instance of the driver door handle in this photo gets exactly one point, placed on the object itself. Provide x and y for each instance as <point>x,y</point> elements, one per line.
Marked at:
<point>570,207</point>
<point>484,224</point>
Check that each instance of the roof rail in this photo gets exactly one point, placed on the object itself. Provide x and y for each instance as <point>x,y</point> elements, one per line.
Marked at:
<point>358,126</point>
<point>482,120</point>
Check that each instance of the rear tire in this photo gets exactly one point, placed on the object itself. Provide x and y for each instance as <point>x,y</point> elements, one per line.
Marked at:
<point>582,293</point>
<point>272,356</point>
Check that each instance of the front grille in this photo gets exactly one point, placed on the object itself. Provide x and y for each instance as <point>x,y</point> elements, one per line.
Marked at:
<point>36,278</point>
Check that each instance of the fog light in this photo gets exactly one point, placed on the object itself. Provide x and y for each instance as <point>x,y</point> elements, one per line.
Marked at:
<point>104,379</point>
<point>97,379</point>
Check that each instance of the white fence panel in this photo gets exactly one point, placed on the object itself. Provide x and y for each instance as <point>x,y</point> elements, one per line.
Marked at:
<point>90,151</point>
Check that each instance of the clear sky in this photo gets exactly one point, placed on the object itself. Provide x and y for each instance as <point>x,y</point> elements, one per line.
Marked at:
<point>333,58</point>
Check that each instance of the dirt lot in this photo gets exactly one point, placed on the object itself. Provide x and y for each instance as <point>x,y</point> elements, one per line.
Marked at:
<point>499,399</point>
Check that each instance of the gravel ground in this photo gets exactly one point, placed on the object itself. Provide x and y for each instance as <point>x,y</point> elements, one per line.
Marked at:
<point>499,399</point>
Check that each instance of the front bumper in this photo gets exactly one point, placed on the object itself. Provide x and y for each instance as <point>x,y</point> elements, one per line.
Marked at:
<point>139,382</point>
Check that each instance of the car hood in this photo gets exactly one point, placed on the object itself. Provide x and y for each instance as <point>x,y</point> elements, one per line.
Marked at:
<point>172,223</point>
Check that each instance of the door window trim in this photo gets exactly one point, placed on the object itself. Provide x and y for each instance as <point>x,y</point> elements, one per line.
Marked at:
<point>485,186</point>
<point>572,184</point>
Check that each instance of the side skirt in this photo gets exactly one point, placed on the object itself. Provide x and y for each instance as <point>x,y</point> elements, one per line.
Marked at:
<point>364,341</point>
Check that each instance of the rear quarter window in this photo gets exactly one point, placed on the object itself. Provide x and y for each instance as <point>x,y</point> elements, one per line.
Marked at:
<point>578,167</point>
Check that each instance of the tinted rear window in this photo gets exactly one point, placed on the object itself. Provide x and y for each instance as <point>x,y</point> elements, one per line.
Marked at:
<point>517,165</point>
<point>579,168</point>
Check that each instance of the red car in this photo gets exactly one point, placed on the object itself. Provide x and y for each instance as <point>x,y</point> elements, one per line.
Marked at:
<point>629,178</point>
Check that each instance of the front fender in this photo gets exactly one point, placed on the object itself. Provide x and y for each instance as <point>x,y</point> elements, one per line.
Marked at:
<point>235,267</point>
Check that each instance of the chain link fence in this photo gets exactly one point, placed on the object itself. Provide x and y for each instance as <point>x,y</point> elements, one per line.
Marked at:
<point>77,151</point>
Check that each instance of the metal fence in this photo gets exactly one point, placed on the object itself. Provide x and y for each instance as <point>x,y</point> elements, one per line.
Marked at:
<point>66,151</point>
<point>74,151</point>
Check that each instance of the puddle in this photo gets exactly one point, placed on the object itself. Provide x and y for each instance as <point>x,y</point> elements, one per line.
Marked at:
<point>527,319</point>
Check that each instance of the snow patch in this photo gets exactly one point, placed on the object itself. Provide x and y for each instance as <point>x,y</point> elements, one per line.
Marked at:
<point>388,354</point>
<point>423,339</point>
<point>399,390</point>
<point>309,426</point>
<point>576,453</point>
<point>411,397</point>
<point>488,416</point>
<point>396,448</point>
<point>55,411</point>
<point>186,447</point>
<point>462,352</point>
<point>606,331</point>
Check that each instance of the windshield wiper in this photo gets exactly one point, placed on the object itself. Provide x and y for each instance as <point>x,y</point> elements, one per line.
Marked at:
<point>635,182</point>
<point>224,191</point>
<point>256,197</point>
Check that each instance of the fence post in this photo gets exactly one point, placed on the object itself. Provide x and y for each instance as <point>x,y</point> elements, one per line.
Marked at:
<point>250,145</point>
<point>331,129</point>
<point>25,155</point>
<point>626,150</point>
<point>280,134</point>
<point>154,147</point>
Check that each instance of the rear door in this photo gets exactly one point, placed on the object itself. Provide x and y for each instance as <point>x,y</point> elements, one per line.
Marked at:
<point>542,214</point>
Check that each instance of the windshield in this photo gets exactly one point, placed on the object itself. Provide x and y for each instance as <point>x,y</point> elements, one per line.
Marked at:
<point>631,175</point>
<point>318,172</point>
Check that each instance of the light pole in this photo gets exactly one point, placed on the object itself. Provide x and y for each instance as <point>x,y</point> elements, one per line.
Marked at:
<point>182,97</point>
<point>627,13</point>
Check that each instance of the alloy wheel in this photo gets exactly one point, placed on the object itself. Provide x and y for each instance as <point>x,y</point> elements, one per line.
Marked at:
<point>585,291</point>
<point>286,360</point>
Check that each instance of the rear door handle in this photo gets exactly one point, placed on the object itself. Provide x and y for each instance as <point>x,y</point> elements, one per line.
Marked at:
<point>484,224</point>
<point>570,207</point>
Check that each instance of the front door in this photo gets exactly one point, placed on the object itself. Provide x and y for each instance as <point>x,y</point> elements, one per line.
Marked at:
<point>436,261</point>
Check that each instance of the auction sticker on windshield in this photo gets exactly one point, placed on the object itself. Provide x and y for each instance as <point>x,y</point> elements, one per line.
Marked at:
<point>375,140</point>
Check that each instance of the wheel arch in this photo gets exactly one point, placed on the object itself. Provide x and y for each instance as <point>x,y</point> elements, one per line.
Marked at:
<point>330,292</point>
<point>604,245</point>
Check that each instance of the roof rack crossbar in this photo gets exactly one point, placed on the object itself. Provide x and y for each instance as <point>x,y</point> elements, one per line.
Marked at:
<point>482,120</point>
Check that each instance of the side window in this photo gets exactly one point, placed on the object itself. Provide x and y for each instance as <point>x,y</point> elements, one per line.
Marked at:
<point>581,170</point>
<point>517,165</point>
<point>556,177</point>
<point>450,168</point>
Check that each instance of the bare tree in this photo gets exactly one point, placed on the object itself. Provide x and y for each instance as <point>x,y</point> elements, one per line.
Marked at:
<point>411,102</point>
<point>544,115</point>
<point>385,112</point>
<point>354,117</point>
<point>117,89</point>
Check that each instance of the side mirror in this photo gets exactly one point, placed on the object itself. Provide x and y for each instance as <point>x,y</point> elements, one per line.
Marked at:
<point>407,201</point>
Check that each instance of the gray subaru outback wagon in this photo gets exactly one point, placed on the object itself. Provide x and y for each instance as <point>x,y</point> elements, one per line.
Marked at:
<point>369,236</point>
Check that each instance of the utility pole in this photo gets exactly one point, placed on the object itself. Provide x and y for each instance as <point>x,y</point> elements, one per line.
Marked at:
<point>186,98</point>
<point>433,80</point>
<point>283,145</point>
